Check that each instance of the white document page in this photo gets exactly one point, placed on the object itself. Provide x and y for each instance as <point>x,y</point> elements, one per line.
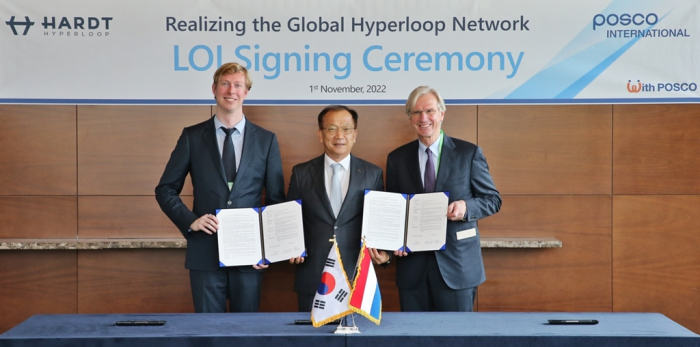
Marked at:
<point>239,237</point>
<point>384,220</point>
<point>283,231</point>
<point>427,222</point>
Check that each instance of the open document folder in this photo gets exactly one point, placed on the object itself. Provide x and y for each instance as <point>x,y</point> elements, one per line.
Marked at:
<point>260,235</point>
<point>411,223</point>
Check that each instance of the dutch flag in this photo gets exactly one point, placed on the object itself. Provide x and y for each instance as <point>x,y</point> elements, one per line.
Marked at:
<point>365,298</point>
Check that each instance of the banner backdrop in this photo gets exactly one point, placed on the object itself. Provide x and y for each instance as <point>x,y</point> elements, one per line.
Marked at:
<point>351,52</point>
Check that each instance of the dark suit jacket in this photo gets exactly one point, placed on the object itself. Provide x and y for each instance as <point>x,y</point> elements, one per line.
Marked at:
<point>308,184</point>
<point>464,173</point>
<point>197,154</point>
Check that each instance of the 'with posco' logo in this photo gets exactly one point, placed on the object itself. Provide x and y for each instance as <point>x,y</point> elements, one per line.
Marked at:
<point>624,19</point>
<point>660,87</point>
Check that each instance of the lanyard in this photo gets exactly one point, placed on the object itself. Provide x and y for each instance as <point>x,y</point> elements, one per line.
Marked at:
<point>439,156</point>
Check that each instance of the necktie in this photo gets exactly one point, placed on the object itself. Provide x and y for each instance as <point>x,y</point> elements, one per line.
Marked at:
<point>336,196</point>
<point>228,156</point>
<point>429,178</point>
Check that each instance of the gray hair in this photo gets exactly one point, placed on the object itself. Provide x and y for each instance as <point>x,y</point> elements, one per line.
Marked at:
<point>420,91</point>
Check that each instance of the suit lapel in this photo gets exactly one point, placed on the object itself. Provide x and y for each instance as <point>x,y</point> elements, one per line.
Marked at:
<point>246,155</point>
<point>414,166</point>
<point>319,176</point>
<point>356,172</point>
<point>445,159</point>
<point>210,141</point>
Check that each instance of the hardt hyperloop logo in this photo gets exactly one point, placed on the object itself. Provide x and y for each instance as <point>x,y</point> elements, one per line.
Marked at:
<point>634,88</point>
<point>94,26</point>
<point>13,24</point>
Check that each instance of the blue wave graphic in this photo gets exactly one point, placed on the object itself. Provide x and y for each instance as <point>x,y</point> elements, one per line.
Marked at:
<point>573,68</point>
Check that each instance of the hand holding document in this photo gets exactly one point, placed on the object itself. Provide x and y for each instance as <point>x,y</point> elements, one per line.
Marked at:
<point>265,235</point>
<point>394,221</point>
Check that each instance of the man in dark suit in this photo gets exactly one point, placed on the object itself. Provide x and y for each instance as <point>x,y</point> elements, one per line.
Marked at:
<point>442,280</point>
<point>230,161</point>
<point>313,183</point>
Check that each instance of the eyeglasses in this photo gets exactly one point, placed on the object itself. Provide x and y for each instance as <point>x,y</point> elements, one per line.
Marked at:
<point>429,112</point>
<point>334,130</point>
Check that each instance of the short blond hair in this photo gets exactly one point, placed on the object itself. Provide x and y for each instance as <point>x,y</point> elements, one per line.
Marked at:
<point>232,68</point>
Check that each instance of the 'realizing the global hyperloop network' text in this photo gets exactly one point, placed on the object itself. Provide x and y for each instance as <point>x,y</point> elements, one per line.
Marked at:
<point>375,58</point>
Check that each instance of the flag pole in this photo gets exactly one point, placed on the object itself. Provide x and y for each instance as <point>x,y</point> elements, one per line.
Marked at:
<point>343,327</point>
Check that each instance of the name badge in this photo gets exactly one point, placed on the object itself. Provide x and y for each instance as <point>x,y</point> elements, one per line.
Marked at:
<point>465,234</point>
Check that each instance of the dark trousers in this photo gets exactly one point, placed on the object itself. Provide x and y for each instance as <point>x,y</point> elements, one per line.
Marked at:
<point>211,289</point>
<point>304,301</point>
<point>433,294</point>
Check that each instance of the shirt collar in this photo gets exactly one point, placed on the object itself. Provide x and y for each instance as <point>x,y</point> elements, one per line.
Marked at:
<point>240,126</point>
<point>435,147</point>
<point>345,162</point>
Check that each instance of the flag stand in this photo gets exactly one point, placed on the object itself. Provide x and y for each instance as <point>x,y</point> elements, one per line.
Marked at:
<point>343,327</point>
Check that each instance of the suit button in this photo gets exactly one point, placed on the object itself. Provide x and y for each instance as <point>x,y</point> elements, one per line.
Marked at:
<point>335,227</point>
<point>229,203</point>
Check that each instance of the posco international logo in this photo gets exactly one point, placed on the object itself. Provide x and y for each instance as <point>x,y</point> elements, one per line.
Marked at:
<point>14,24</point>
<point>660,87</point>
<point>625,19</point>
<point>642,25</point>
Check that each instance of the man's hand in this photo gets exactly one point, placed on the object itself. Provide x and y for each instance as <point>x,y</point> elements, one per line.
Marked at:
<point>297,260</point>
<point>378,257</point>
<point>400,253</point>
<point>206,223</point>
<point>456,210</point>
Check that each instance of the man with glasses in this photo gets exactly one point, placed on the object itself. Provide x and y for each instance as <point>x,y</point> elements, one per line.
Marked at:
<point>331,188</point>
<point>230,161</point>
<point>442,280</point>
